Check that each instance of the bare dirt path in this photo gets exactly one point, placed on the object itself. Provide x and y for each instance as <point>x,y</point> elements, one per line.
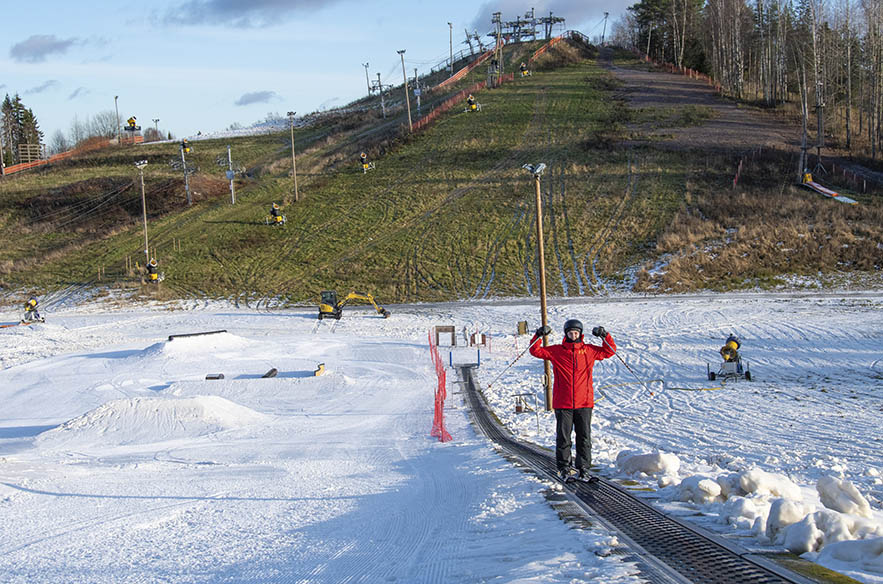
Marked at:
<point>733,127</point>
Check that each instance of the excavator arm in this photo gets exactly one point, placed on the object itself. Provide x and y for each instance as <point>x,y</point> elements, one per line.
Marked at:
<point>364,296</point>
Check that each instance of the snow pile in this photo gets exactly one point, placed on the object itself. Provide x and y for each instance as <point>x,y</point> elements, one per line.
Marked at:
<point>651,464</point>
<point>772,506</point>
<point>149,420</point>
<point>218,344</point>
<point>848,556</point>
<point>841,495</point>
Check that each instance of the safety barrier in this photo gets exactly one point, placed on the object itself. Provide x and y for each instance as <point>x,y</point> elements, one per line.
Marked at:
<point>685,71</point>
<point>438,419</point>
<point>456,99</point>
<point>545,48</point>
<point>464,71</point>
<point>95,145</point>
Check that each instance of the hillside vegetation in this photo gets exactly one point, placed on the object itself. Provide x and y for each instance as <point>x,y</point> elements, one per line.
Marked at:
<point>446,214</point>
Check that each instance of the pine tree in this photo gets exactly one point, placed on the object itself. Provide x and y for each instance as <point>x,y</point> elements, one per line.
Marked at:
<point>7,123</point>
<point>19,126</point>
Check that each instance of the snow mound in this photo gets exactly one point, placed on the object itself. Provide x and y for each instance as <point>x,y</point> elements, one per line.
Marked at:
<point>824,527</point>
<point>698,489</point>
<point>841,495</point>
<point>144,420</point>
<point>844,555</point>
<point>200,345</point>
<point>783,513</point>
<point>760,482</point>
<point>649,464</point>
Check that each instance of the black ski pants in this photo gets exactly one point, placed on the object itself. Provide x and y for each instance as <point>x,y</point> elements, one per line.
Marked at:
<point>566,422</point>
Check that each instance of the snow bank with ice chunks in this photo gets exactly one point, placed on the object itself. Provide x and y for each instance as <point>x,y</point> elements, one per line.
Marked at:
<point>773,507</point>
<point>145,420</point>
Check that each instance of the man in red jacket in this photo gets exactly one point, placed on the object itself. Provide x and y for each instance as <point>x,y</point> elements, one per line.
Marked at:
<point>573,395</point>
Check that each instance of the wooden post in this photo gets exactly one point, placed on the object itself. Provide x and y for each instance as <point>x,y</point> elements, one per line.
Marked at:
<point>547,376</point>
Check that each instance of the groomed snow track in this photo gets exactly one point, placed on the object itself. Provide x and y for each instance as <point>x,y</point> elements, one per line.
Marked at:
<point>666,550</point>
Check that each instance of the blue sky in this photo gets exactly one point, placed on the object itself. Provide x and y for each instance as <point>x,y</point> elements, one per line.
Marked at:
<point>201,65</point>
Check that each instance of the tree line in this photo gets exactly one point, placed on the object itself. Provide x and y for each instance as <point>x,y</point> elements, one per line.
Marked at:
<point>18,127</point>
<point>826,56</point>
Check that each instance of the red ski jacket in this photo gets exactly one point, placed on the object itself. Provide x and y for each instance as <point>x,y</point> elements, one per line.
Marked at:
<point>572,364</point>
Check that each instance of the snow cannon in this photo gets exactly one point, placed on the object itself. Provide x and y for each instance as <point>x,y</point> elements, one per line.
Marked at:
<point>732,367</point>
<point>730,350</point>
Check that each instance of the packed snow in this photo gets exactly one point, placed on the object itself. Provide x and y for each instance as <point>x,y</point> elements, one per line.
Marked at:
<point>120,461</point>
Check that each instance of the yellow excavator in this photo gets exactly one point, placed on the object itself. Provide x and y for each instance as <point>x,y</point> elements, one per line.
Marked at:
<point>331,307</point>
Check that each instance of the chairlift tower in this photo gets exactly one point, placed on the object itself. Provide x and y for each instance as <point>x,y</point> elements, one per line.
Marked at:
<point>468,41</point>
<point>495,71</point>
<point>380,87</point>
<point>368,83</point>
<point>604,30</point>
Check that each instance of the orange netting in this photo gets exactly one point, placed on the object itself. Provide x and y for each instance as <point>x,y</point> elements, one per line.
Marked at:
<point>438,419</point>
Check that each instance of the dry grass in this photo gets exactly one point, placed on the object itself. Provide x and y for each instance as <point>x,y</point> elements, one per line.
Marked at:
<point>733,240</point>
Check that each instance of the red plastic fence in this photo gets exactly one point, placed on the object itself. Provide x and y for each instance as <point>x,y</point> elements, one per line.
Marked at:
<point>62,155</point>
<point>545,48</point>
<point>685,71</point>
<point>457,98</point>
<point>438,419</point>
<point>464,71</point>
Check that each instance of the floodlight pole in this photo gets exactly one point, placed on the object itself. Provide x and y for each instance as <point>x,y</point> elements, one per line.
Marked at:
<point>186,177</point>
<point>451,47</point>
<point>117,108</point>
<point>536,171</point>
<point>293,159</point>
<point>405,78</point>
<point>230,167</point>
<point>382,101</point>
<point>368,83</point>
<point>141,166</point>
<point>156,128</point>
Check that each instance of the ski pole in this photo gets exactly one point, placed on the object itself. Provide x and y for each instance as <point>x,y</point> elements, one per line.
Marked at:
<point>513,362</point>
<point>604,340</point>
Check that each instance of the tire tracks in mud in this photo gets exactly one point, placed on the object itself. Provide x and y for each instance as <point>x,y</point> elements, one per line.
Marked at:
<point>601,240</point>
<point>409,269</point>
<point>482,288</point>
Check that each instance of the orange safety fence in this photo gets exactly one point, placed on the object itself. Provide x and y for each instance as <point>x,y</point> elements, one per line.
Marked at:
<point>464,71</point>
<point>685,71</point>
<point>438,419</point>
<point>93,145</point>
<point>455,99</point>
<point>545,48</point>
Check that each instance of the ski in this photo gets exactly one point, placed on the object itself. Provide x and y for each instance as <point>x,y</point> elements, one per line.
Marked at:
<point>271,373</point>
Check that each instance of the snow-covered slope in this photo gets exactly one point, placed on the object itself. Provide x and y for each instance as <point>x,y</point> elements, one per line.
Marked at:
<point>120,461</point>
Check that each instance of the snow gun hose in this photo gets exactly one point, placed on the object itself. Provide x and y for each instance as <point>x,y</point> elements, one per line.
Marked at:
<point>513,362</point>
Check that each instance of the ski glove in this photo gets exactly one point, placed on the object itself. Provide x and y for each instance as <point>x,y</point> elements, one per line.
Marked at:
<point>599,331</point>
<point>543,331</point>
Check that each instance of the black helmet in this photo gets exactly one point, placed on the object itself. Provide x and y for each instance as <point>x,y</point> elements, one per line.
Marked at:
<point>573,324</point>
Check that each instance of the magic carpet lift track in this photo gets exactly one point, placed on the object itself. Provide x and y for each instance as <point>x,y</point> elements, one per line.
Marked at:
<point>665,549</point>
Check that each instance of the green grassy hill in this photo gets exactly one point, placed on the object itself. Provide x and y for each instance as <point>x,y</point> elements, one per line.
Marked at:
<point>447,214</point>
